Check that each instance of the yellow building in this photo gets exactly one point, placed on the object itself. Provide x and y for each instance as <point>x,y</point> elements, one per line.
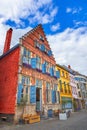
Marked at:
<point>64,88</point>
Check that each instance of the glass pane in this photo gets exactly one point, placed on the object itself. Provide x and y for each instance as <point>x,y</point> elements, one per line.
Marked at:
<point>25,60</point>
<point>26,89</point>
<point>28,81</point>
<point>23,80</point>
<point>29,60</point>
<point>29,54</point>
<point>24,51</point>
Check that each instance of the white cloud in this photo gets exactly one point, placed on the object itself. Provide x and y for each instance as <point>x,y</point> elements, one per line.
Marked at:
<point>15,10</point>
<point>79,23</point>
<point>73,10</point>
<point>17,33</point>
<point>68,10</point>
<point>55,27</point>
<point>76,10</point>
<point>54,11</point>
<point>69,47</point>
<point>44,16</point>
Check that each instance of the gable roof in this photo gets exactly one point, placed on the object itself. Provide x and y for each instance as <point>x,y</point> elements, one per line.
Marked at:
<point>8,52</point>
<point>68,69</point>
<point>36,31</point>
<point>34,34</point>
<point>62,67</point>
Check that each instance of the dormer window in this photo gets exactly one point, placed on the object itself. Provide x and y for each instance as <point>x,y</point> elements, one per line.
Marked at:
<point>37,44</point>
<point>41,38</point>
<point>46,50</point>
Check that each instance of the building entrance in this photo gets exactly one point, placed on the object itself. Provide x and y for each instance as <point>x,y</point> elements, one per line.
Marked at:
<point>38,99</point>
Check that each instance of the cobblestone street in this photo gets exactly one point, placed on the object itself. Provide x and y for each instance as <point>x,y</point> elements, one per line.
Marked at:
<point>77,121</point>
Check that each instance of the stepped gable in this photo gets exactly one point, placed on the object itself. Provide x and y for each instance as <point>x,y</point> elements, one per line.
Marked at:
<point>35,34</point>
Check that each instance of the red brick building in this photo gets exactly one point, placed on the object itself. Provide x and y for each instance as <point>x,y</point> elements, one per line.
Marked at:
<point>28,70</point>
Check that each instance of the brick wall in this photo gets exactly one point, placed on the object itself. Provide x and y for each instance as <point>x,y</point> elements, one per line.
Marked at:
<point>8,81</point>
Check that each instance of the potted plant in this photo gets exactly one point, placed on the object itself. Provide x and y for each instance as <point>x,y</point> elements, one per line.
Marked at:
<point>22,105</point>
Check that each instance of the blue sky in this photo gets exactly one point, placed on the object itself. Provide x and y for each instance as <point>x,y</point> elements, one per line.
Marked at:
<point>64,23</point>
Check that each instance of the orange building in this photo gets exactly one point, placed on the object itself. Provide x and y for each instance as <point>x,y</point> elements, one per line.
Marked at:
<point>28,70</point>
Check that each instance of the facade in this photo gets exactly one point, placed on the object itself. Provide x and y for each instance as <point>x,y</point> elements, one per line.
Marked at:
<point>82,84</point>
<point>76,92</point>
<point>73,85</point>
<point>29,73</point>
<point>79,100</point>
<point>64,88</point>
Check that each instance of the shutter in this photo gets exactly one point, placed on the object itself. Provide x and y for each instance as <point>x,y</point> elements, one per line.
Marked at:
<point>33,63</point>
<point>20,87</point>
<point>57,74</point>
<point>32,94</point>
<point>42,47</point>
<point>51,72</point>
<point>53,96</point>
<point>43,68</point>
<point>50,53</point>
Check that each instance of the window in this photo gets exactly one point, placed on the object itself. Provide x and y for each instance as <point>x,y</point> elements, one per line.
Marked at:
<point>26,86</point>
<point>65,84</point>
<point>38,63</point>
<point>48,92</point>
<point>46,50</point>
<point>26,89</point>
<point>37,44</point>
<point>54,72</point>
<point>41,37</point>
<point>76,78</point>
<point>66,75</point>
<point>54,69</point>
<point>63,73</point>
<point>56,93</point>
<point>60,83</point>
<point>27,56</point>
<point>25,80</point>
<point>65,87</point>
<point>79,94</point>
<point>77,85</point>
<point>47,67</point>
<point>55,87</point>
<point>22,92</point>
<point>38,83</point>
<point>69,91</point>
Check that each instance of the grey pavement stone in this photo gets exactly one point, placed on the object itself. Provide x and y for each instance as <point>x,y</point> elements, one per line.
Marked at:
<point>77,121</point>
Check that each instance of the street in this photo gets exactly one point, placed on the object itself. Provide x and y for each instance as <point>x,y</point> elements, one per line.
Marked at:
<point>77,121</point>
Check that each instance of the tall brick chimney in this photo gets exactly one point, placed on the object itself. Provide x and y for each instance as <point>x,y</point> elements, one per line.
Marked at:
<point>7,40</point>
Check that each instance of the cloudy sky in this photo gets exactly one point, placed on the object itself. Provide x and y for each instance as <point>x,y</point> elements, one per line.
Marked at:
<point>64,23</point>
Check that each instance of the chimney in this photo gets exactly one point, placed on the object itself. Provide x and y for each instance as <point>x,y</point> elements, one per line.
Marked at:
<point>7,40</point>
<point>69,66</point>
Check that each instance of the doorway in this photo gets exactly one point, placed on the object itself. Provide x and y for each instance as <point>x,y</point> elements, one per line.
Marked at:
<point>38,99</point>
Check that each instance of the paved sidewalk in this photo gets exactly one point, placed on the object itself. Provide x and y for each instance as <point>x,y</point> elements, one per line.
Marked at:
<point>77,121</point>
